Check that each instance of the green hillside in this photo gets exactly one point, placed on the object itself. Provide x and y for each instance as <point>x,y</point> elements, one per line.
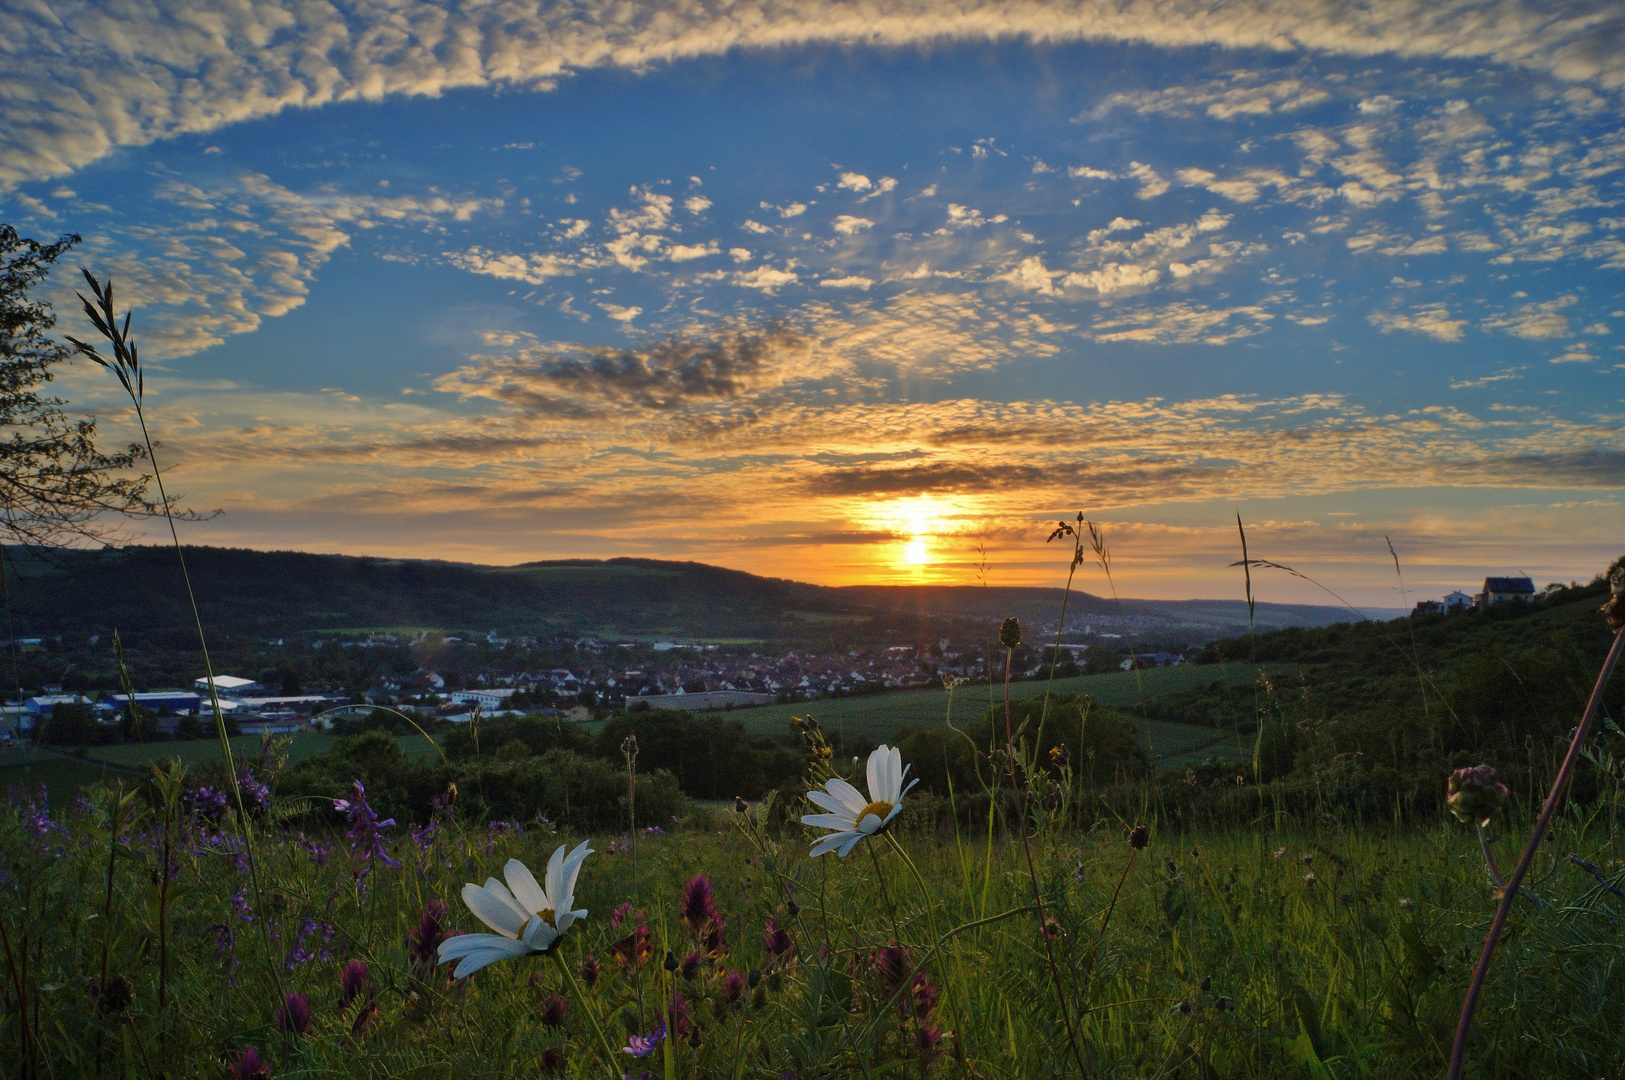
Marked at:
<point>271,594</point>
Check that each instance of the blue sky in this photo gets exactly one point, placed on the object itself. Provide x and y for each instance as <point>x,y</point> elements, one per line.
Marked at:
<point>841,293</point>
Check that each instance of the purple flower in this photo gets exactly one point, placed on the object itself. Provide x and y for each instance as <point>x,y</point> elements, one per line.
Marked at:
<point>205,804</point>
<point>554,1010</point>
<point>619,915</point>
<point>366,831</point>
<point>698,908</point>
<point>352,981</point>
<point>256,796</point>
<point>551,1061</point>
<point>641,1046</point>
<point>925,995</point>
<point>589,971</point>
<point>690,965</point>
<point>423,941</point>
<point>294,1016</point>
<point>733,986</point>
<point>248,1065</point>
<point>777,941</point>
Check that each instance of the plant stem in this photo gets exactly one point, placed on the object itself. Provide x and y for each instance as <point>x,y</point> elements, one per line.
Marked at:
<point>592,1014</point>
<point>1458,1052</point>
<point>1032,871</point>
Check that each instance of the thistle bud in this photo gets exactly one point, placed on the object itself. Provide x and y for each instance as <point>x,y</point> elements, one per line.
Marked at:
<point>740,805</point>
<point>671,962</point>
<point>1475,794</point>
<point>1139,838</point>
<point>1010,632</point>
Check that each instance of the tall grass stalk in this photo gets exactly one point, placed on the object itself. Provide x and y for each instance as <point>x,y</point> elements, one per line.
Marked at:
<point>126,367</point>
<point>1458,1052</point>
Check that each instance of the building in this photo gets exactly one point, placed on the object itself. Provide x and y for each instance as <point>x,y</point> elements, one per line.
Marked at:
<point>159,701</point>
<point>703,701</point>
<point>489,700</point>
<point>229,686</point>
<point>1498,590</point>
<point>1428,607</point>
<point>1457,601</point>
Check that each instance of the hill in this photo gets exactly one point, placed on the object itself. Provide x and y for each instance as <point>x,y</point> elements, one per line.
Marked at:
<point>259,594</point>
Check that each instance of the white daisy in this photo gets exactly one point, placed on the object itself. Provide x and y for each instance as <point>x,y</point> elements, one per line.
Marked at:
<point>526,917</point>
<point>851,815</point>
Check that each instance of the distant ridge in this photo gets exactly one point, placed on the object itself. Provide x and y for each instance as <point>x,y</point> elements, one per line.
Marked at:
<point>250,593</point>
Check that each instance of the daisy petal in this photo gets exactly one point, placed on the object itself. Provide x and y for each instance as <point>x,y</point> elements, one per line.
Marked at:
<point>489,954</point>
<point>850,798</point>
<point>872,822</point>
<point>493,911</point>
<point>831,842</point>
<point>877,773</point>
<point>831,803</point>
<point>840,822</point>
<point>523,883</point>
<point>846,848</point>
<point>572,870</point>
<point>555,876</point>
<point>540,935</point>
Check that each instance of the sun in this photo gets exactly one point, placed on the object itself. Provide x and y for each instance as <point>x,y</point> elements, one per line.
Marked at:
<point>917,552</point>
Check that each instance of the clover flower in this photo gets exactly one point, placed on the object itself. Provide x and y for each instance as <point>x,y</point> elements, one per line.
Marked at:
<point>554,1009</point>
<point>777,941</point>
<point>294,1015</point>
<point>352,981</point>
<point>527,918</point>
<point>248,1065</point>
<point>699,908</point>
<point>366,831</point>
<point>423,940</point>
<point>851,815</point>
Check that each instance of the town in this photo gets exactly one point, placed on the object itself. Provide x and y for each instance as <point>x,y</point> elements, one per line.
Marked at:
<point>449,678</point>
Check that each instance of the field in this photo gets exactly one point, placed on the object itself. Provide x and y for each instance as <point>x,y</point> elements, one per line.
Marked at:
<point>877,717</point>
<point>1272,952</point>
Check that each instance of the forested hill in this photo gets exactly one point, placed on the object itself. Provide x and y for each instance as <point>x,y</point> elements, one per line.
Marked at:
<point>250,594</point>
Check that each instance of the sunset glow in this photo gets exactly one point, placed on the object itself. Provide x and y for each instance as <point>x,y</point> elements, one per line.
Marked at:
<point>841,308</point>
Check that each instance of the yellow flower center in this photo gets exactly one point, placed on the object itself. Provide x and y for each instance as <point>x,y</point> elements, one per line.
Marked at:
<point>547,916</point>
<point>878,809</point>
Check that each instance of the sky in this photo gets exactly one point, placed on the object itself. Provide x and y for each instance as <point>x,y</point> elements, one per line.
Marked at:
<point>858,292</point>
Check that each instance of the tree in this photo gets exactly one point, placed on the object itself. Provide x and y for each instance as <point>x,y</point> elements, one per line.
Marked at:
<point>55,485</point>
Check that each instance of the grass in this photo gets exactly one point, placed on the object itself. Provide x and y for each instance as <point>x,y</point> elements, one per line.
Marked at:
<point>64,774</point>
<point>1223,957</point>
<point>871,718</point>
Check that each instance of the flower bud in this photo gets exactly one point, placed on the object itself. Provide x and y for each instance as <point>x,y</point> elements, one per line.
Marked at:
<point>1475,794</point>
<point>1139,837</point>
<point>1010,632</point>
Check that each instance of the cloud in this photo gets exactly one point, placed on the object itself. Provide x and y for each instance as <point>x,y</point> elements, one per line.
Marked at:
<point>1151,185</point>
<point>852,181</point>
<point>765,278</point>
<point>1183,323</point>
<point>1431,319</point>
<point>1242,95</point>
<point>569,380</point>
<point>851,281</point>
<point>847,225</point>
<point>84,78</point>
<point>1537,322</point>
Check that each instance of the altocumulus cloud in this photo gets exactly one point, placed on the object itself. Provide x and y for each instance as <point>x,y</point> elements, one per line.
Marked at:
<point>81,79</point>
<point>581,380</point>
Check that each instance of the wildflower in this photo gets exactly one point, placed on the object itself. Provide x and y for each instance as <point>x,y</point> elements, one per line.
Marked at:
<point>619,915</point>
<point>733,986</point>
<point>850,814</point>
<point>528,919</point>
<point>256,796</point>
<point>1475,794</point>
<point>423,940</point>
<point>205,804</point>
<point>928,1040</point>
<point>1052,928</point>
<point>364,1018</point>
<point>1406,903</point>
<point>1310,878</point>
<point>1010,632</point>
<point>589,971</point>
<point>690,965</point>
<point>554,1010</point>
<point>891,964</point>
<point>641,1046</point>
<point>1139,837</point>
<point>366,831</point>
<point>924,994</point>
<point>551,1061</point>
<point>776,939</point>
<point>635,948</point>
<point>248,1065</point>
<point>352,981</point>
<point>294,1016</point>
<point>699,909</point>
<point>116,997</point>
<point>677,1009</point>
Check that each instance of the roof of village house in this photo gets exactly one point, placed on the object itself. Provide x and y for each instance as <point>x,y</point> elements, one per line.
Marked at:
<point>1508,584</point>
